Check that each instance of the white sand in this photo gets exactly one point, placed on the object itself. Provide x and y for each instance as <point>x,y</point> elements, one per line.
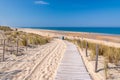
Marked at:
<point>38,64</point>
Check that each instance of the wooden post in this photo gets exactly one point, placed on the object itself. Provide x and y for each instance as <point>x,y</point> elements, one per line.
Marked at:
<point>1,41</point>
<point>17,45</point>
<point>78,42</point>
<point>97,52</point>
<point>86,49</point>
<point>26,44</point>
<point>82,42</point>
<point>11,51</point>
<point>82,45</point>
<point>4,50</point>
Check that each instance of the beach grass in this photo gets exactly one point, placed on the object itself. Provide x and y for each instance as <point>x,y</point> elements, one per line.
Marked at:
<point>5,28</point>
<point>17,40</point>
<point>23,37</point>
<point>27,38</point>
<point>112,54</point>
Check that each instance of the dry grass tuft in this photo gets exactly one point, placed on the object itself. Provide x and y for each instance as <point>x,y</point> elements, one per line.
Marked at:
<point>112,54</point>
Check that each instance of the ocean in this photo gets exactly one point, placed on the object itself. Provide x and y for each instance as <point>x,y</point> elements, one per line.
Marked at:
<point>101,30</point>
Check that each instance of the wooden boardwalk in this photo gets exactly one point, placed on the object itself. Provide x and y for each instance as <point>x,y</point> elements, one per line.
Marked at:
<point>72,66</point>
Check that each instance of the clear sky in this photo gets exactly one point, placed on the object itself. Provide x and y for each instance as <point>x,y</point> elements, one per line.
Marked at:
<point>54,13</point>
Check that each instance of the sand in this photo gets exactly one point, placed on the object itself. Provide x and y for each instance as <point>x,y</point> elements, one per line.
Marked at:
<point>41,63</point>
<point>37,64</point>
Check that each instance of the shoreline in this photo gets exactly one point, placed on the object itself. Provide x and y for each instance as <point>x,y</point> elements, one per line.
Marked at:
<point>54,33</point>
<point>98,33</point>
<point>113,41</point>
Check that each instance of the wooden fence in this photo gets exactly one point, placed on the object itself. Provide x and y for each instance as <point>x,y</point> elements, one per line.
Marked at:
<point>8,46</point>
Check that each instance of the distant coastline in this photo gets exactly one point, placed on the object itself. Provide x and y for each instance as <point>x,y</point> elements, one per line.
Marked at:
<point>96,30</point>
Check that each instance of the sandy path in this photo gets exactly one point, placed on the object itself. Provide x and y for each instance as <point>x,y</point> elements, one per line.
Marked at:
<point>27,65</point>
<point>10,67</point>
<point>46,69</point>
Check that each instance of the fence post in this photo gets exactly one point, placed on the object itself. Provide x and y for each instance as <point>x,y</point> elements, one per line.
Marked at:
<point>17,45</point>
<point>86,49</point>
<point>3,49</point>
<point>26,44</point>
<point>0,41</point>
<point>97,52</point>
<point>26,41</point>
<point>82,45</point>
<point>78,42</point>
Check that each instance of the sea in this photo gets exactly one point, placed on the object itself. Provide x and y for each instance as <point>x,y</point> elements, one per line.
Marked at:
<point>99,30</point>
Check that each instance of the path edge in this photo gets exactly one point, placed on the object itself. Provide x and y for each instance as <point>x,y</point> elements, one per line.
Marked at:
<point>93,75</point>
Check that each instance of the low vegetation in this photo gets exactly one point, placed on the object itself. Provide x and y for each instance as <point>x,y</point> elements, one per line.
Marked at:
<point>5,28</point>
<point>27,38</point>
<point>112,54</point>
<point>23,39</point>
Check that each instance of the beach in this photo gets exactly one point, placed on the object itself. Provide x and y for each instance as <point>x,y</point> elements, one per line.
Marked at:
<point>37,64</point>
<point>102,39</point>
<point>60,40</point>
<point>110,40</point>
<point>43,61</point>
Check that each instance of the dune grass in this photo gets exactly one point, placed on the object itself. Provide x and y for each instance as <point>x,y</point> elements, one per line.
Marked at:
<point>5,28</point>
<point>112,54</point>
<point>18,41</point>
<point>23,37</point>
<point>27,38</point>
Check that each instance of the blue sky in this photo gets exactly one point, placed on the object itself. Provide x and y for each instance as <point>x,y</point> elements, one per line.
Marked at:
<point>56,13</point>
